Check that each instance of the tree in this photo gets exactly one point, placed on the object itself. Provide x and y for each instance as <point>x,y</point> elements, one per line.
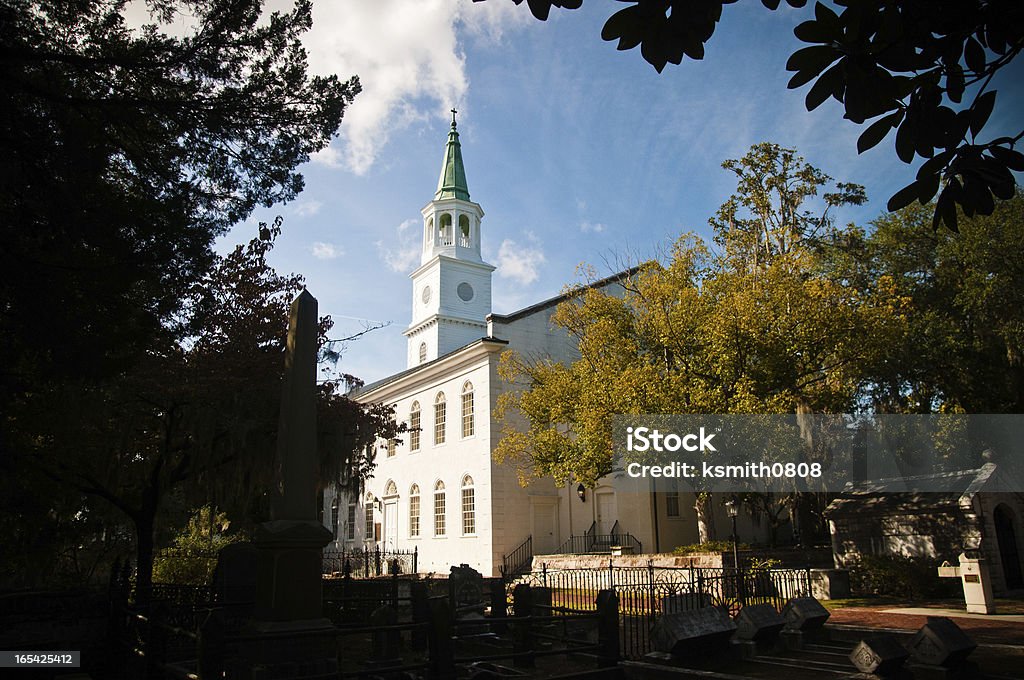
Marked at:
<point>905,63</point>
<point>756,329</point>
<point>123,152</point>
<point>195,417</point>
<point>954,341</point>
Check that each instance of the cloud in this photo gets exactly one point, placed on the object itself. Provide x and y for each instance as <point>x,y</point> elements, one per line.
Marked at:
<point>403,254</point>
<point>307,208</point>
<point>520,263</point>
<point>407,54</point>
<point>326,251</point>
<point>592,227</point>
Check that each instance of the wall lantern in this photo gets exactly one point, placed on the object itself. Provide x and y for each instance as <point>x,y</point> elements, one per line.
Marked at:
<point>581,491</point>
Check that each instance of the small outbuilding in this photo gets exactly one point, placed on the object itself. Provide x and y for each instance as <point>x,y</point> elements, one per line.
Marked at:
<point>980,509</point>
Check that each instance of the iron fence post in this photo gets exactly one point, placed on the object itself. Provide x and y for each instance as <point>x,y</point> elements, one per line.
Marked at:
<point>522,606</point>
<point>607,628</point>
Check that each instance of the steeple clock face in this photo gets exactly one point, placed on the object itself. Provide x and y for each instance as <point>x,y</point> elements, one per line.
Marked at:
<point>425,295</point>
<point>465,291</point>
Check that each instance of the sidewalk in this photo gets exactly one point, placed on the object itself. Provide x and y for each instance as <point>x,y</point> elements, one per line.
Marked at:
<point>1006,627</point>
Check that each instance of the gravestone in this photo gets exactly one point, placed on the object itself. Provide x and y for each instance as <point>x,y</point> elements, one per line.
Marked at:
<point>386,643</point>
<point>466,592</point>
<point>704,631</point>
<point>880,654</point>
<point>804,614</point>
<point>465,587</point>
<point>684,602</point>
<point>940,642</point>
<point>759,623</point>
<point>289,639</point>
<point>234,578</point>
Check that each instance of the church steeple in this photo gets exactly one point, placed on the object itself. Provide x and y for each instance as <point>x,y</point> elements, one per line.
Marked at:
<point>452,285</point>
<point>452,182</point>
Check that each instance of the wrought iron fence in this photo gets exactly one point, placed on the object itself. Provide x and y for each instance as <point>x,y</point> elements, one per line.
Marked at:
<point>369,563</point>
<point>645,593</point>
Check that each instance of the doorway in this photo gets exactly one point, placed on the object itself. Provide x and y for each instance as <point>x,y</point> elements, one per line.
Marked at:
<point>390,525</point>
<point>607,512</point>
<point>545,525</point>
<point>1009,553</point>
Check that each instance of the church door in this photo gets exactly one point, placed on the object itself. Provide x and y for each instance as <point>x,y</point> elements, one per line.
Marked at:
<point>390,525</point>
<point>545,528</point>
<point>606,513</point>
<point>1009,553</point>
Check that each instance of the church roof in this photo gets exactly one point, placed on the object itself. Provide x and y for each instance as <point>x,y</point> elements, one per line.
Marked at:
<point>558,299</point>
<point>919,494</point>
<point>409,371</point>
<point>452,182</point>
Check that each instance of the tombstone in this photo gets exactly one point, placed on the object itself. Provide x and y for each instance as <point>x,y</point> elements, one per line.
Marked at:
<point>940,642</point>
<point>804,614</point>
<point>386,643</point>
<point>288,622</point>
<point>880,654</point>
<point>465,587</point>
<point>684,602</point>
<point>234,578</point>
<point>701,631</point>
<point>759,623</point>
<point>542,602</point>
<point>466,592</point>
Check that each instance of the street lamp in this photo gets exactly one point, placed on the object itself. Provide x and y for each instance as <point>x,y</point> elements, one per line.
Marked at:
<point>733,510</point>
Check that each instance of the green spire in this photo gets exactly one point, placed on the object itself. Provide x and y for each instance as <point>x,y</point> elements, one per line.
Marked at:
<point>452,183</point>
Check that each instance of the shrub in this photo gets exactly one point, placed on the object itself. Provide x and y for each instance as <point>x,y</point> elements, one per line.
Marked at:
<point>899,576</point>
<point>708,547</point>
<point>193,556</point>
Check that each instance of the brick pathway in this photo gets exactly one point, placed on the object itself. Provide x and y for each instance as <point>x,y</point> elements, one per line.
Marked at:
<point>982,630</point>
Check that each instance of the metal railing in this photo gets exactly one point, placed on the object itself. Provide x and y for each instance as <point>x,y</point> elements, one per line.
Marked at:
<point>369,563</point>
<point>520,560</point>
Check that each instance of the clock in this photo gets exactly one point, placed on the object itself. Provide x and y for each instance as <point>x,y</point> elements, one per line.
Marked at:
<point>425,296</point>
<point>465,291</point>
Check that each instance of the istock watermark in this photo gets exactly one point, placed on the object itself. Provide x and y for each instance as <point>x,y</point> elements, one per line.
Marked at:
<point>784,453</point>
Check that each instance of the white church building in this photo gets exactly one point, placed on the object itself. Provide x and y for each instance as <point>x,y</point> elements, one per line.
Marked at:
<point>438,489</point>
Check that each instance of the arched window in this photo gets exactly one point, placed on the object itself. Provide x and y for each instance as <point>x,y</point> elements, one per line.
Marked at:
<point>439,418</point>
<point>414,511</point>
<point>414,426</point>
<point>334,518</point>
<point>370,534</point>
<point>430,231</point>
<point>350,525</point>
<point>468,427</point>
<point>464,240</point>
<point>423,352</point>
<point>468,506</point>
<point>439,525</point>
<point>445,229</point>
<point>390,489</point>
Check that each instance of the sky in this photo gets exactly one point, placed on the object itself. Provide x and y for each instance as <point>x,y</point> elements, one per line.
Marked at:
<point>577,153</point>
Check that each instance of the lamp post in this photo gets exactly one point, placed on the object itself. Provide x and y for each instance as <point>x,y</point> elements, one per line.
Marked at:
<point>733,510</point>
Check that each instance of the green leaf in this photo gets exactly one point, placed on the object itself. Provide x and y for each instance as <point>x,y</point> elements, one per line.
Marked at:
<point>981,110</point>
<point>904,197</point>
<point>905,140</point>
<point>1011,158</point>
<point>945,210</point>
<point>877,131</point>
<point>824,87</point>
<point>974,55</point>
<point>955,83</point>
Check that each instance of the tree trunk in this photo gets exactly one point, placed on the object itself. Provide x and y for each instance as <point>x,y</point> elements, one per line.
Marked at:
<point>145,521</point>
<point>705,518</point>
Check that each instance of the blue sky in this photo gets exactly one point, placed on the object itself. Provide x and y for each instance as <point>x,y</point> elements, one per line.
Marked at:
<point>577,153</point>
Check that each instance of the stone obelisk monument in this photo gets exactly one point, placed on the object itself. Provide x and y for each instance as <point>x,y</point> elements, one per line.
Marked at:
<point>295,641</point>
